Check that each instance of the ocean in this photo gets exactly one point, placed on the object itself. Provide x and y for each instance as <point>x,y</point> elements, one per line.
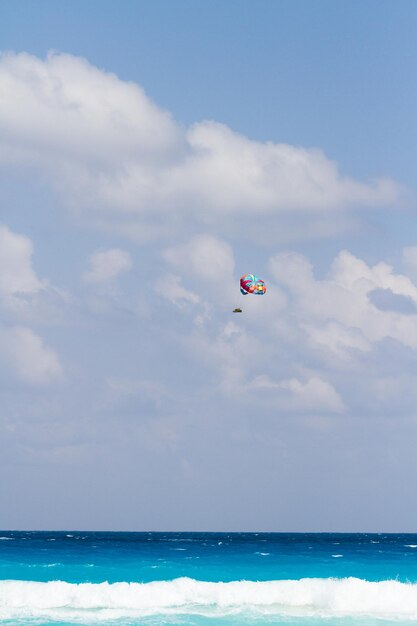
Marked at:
<point>207,579</point>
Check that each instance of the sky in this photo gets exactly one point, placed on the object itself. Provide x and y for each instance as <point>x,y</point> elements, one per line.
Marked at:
<point>151,153</point>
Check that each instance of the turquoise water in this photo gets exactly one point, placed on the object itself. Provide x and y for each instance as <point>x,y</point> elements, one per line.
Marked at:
<point>199,579</point>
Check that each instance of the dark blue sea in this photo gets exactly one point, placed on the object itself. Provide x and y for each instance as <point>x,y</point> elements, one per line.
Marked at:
<point>207,579</point>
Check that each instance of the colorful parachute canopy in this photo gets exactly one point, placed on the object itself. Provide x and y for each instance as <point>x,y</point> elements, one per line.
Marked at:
<point>249,283</point>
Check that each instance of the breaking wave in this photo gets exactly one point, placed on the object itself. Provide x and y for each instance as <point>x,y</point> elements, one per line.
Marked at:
<point>306,597</point>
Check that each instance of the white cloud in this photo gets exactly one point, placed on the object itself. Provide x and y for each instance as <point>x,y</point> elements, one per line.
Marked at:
<point>338,313</point>
<point>312,396</point>
<point>208,263</point>
<point>319,328</point>
<point>106,265</point>
<point>234,173</point>
<point>228,352</point>
<point>110,149</point>
<point>338,338</point>
<point>237,353</point>
<point>17,276</point>
<point>25,297</point>
<point>170,287</point>
<point>67,110</point>
<point>206,257</point>
<point>29,358</point>
<point>287,350</point>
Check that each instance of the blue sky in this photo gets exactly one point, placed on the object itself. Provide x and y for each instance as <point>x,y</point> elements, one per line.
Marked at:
<point>151,153</point>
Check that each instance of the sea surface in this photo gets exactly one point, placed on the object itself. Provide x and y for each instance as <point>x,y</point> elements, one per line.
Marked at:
<point>207,579</point>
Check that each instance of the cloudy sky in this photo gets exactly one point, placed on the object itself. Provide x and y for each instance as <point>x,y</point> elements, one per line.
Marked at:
<point>151,153</point>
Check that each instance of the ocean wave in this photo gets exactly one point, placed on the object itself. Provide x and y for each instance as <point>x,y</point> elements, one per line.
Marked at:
<point>323,597</point>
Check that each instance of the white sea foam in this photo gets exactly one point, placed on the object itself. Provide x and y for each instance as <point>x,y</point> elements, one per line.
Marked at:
<point>305,597</point>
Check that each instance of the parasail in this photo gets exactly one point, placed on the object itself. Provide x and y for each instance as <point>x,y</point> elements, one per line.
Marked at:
<point>249,283</point>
